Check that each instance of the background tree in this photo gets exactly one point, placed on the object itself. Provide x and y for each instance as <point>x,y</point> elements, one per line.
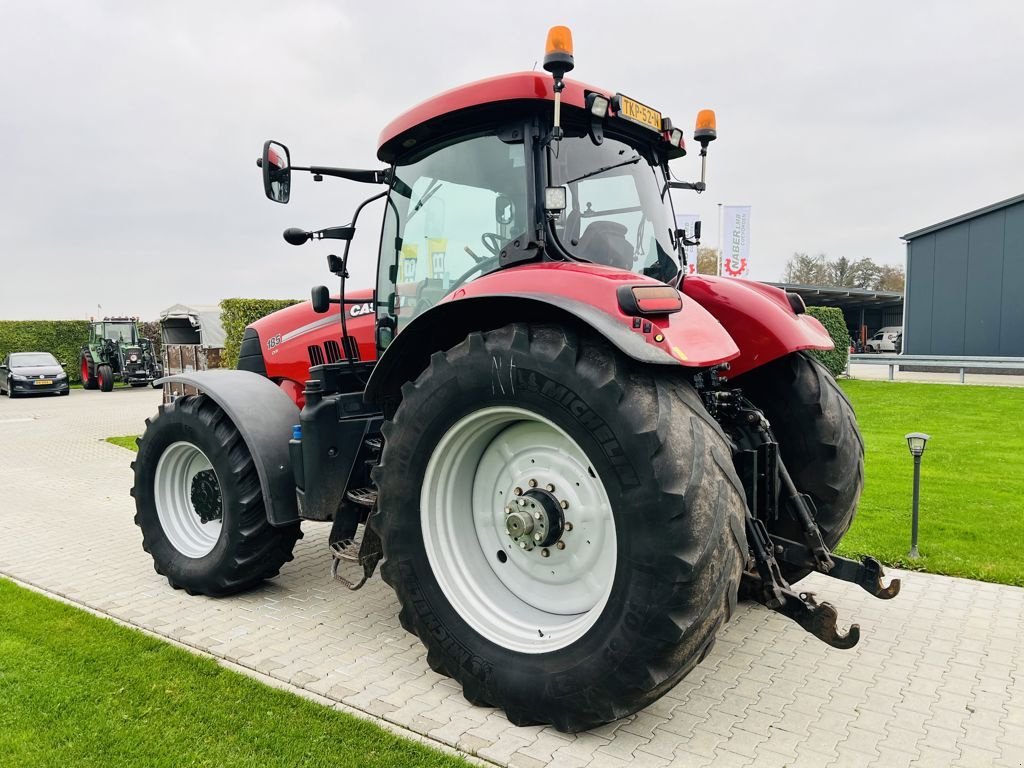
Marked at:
<point>843,273</point>
<point>707,261</point>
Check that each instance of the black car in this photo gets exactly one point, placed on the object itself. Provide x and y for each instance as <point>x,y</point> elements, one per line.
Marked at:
<point>30,373</point>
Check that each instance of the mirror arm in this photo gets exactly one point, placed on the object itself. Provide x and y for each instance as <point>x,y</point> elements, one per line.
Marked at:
<point>352,174</point>
<point>699,186</point>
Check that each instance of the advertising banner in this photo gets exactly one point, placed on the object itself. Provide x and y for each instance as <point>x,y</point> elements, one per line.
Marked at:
<point>736,241</point>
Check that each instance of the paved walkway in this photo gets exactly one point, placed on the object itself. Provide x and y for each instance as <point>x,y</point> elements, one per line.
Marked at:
<point>937,679</point>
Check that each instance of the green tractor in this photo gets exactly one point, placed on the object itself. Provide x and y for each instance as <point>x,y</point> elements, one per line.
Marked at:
<point>116,351</point>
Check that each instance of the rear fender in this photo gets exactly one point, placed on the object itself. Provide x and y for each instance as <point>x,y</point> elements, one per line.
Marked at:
<point>577,294</point>
<point>264,415</point>
<point>759,318</point>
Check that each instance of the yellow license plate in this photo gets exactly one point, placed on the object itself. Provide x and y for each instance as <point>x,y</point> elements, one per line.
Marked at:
<point>639,113</point>
<point>43,382</point>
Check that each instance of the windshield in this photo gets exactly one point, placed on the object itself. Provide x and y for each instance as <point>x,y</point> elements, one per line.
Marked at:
<point>124,332</point>
<point>615,213</point>
<point>449,215</point>
<point>30,359</point>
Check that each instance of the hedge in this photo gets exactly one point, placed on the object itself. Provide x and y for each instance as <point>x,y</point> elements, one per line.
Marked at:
<point>61,338</point>
<point>835,323</point>
<point>235,314</point>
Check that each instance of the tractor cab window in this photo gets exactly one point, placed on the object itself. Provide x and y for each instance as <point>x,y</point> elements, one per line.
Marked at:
<point>449,215</point>
<point>122,332</point>
<point>616,213</point>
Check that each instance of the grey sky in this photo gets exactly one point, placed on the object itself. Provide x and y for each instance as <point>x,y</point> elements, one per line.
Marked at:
<point>130,129</point>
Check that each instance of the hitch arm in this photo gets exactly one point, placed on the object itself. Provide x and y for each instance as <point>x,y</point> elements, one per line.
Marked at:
<point>867,574</point>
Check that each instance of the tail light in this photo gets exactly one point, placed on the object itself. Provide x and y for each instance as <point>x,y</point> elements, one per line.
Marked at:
<point>649,299</point>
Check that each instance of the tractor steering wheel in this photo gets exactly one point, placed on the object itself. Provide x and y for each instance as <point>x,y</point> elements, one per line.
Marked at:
<point>492,242</point>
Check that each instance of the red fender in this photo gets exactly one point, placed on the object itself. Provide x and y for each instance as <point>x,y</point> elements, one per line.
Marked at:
<point>691,337</point>
<point>759,317</point>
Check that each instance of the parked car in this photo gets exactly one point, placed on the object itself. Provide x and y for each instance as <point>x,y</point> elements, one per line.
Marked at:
<point>31,373</point>
<point>884,339</point>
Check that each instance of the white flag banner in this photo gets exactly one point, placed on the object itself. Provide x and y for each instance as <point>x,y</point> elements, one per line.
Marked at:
<point>686,222</point>
<point>736,241</point>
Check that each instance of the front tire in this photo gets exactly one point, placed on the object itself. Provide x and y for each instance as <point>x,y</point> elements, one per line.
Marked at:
<point>199,503</point>
<point>105,377</point>
<point>649,572</point>
<point>819,441</point>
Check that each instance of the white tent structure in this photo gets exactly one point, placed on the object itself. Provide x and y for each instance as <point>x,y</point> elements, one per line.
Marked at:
<point>197,324</point>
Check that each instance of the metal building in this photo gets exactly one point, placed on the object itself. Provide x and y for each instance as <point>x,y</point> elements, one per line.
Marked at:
<point>965,284</point>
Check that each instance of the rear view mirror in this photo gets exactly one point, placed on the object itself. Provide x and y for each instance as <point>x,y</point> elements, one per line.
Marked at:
<point>277,171</point>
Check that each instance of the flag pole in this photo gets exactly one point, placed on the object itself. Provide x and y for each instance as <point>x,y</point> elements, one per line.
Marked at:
<point>721,244</point>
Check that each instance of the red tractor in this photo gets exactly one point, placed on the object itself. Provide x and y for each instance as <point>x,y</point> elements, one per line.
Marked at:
<point>570,460</point>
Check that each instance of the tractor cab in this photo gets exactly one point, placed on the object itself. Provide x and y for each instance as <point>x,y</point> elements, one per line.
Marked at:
<point>520,168</point>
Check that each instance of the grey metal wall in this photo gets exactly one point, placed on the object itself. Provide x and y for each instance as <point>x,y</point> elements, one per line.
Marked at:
<point>965,287</point>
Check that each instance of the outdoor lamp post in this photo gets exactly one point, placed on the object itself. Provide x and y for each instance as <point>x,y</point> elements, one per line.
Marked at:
<point>916,441</point>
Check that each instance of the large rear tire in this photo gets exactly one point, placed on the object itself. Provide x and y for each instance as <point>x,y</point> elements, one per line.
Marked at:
<point>533,427</point>
<point>819,442</point>
<point>86,372</point>
<point>199,503</point>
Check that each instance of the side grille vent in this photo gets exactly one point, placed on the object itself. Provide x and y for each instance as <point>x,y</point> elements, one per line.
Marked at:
<point>333,351</point>
<point>316,354</point>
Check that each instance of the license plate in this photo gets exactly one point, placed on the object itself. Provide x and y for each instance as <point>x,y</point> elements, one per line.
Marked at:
<point>639,113</point>
<point>43,382</point>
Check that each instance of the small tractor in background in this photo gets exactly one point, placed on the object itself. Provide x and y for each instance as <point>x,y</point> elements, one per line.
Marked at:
<point>570,459</point>
<point>117,352</point>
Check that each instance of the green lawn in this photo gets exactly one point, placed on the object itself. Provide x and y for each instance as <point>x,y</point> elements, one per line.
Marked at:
<point>125,441</point>
<point>83,691</point>
<point>972,478</point>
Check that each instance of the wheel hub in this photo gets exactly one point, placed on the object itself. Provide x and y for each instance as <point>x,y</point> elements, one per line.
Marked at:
<point>205,496</point>
<point>535,519</point>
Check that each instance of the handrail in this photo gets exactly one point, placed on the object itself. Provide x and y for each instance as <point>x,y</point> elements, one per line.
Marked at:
<point>962,363</point>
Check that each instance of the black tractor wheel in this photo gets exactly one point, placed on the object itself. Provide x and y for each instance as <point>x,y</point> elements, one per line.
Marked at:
<point>87,374</point>
<point>199,504</point>
<point>105,377</point>
<point>564,529</point>
<point>818,439</point>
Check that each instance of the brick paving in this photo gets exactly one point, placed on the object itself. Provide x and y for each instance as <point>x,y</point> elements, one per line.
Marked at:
<point>937,679</point>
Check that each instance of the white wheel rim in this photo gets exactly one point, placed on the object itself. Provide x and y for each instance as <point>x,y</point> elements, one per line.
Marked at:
<point>528,603</point>
<point>175,471</point>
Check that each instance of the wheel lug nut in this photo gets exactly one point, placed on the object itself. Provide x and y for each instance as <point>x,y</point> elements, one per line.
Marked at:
<point>564,504</point>
<point>522,545</point>
<point>536,515</point>
<point>560,544</point>
<point>508,510</point>
<point>536,537</point>
<point>550,488</point>
<point>518,491</point>
<point>522,502</point>
<point>568,526</point>
<point>532,483</point>
<point>545,553</point>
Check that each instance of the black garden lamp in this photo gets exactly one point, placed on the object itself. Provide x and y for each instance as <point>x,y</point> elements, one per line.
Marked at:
<point>916,442</point>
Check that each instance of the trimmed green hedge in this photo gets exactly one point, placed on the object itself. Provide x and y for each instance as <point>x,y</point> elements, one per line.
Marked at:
<point>235,314</point>
<point>834,322</point>
<point>61,338</point>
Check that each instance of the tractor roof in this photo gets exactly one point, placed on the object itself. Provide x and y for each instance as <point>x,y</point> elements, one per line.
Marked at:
<point>442,113</point>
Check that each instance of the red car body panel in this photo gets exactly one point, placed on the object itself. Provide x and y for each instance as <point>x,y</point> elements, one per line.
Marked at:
<point>758,317</point>
<point>519,86</point>
<point>287,335</point>
<point>692,337</point>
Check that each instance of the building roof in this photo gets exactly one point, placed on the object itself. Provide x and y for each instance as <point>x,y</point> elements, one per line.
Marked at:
<point>964,217</point>
<point>820,295</point>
